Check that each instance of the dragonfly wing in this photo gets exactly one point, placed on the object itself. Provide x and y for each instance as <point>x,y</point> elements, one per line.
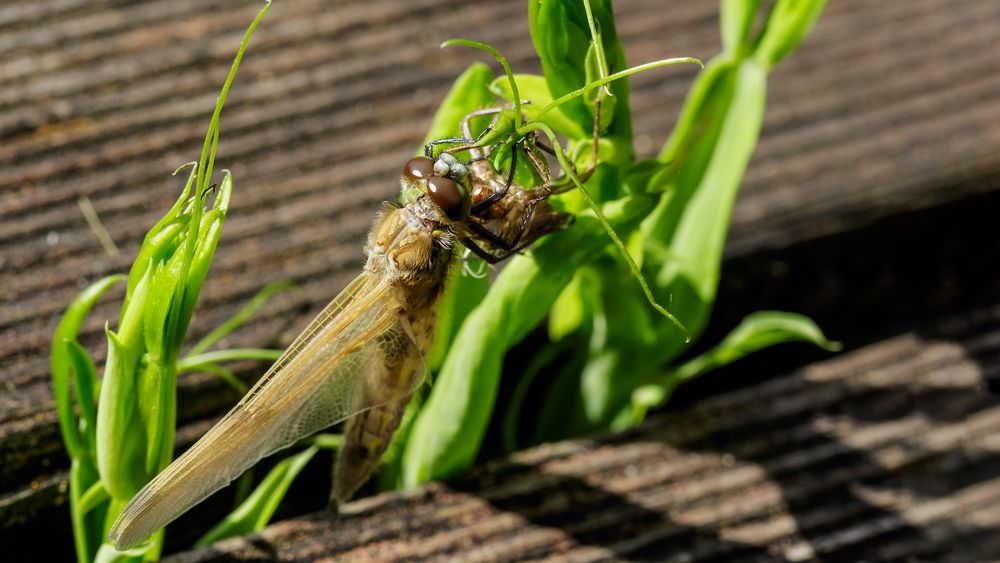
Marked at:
<point>391,382</point>
<point>321,379</point>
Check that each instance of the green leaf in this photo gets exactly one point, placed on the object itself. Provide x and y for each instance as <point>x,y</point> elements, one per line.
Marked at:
<point>207,160</point>
<point>513,415</point>
<point>256,511</point>
<point>137,405</point>
<point>704,106</point>
<point>618,337</point>
<point>158,411</point>
<point>735,21</point>
<point>595,209</point>
<point>85,383</point>
<point>561,44</point>
<point>787,25</point>
<point>61,362</point>
<point>561,381</point>
<point>204,250</point>
<point>93,497</point>
<point>87,511</point>
<point>692,218</point>
<point>228,377</point>
<point>120,434</point>
<point>326,441</point>
<point>196,362</point>
<point>130,435</point>
<point>571,309</point>
<point>108,554</point>
<point>623,330</point>
<point>562,35</point>
<point>462,293</point>
<point>756,332</point>
<point>609,103</point>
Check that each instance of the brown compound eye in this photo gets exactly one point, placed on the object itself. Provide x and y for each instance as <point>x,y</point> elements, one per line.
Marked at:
<point>419,168</point>
<point>452,198</point>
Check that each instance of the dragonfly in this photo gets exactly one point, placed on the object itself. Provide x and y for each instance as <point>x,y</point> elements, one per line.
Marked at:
<point>362,357</point>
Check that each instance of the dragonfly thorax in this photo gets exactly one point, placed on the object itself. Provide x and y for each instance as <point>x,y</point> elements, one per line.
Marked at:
<point>410,246</point>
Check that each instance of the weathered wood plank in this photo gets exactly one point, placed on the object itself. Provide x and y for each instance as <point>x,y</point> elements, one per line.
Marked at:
<point>889,451</point>
<point>886,110</point>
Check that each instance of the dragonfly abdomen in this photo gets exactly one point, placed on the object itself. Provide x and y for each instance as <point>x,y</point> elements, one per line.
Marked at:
<point>368,434</point>
<point>366,437</point>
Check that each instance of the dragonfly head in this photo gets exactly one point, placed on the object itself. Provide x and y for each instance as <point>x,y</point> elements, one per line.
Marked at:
<point>445,181</point>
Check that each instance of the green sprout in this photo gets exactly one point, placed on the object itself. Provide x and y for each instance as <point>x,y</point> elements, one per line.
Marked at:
<point>124,434</point>
<point>608,359</point>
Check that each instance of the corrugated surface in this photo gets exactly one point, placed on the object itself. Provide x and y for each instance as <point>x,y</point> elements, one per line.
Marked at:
<point>889,107</point>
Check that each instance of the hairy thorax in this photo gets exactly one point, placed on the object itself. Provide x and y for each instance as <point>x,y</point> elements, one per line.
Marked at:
<point>411,249</point>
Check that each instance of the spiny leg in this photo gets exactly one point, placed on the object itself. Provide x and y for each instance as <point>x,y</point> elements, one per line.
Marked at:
<point>506,248</point>
<point>480,252</point>
<point>467,129</point>
<point>498,195</point>
<point>566,183</point>
<point>510,245</point>
<point>541,194</point>
<point>429,147</point>
<point>468,142</point>
<point>538,163</point>
<point>494,257</point>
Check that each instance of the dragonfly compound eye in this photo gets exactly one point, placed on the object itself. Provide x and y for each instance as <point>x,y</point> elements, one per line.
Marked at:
<point>451,197</point>
<point>419,168</point>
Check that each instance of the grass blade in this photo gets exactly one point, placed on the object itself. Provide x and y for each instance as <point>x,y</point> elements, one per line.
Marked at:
<point>240,317</point>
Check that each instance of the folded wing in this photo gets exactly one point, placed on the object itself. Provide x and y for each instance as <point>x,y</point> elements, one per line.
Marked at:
<point>320,380</point>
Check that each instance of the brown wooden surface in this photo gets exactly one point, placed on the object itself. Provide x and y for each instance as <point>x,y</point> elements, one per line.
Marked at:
<point>890,451</point>
<point>869,204</point>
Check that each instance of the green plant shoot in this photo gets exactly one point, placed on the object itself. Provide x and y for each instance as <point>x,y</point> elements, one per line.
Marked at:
<point>125,431</point>
<point>659,214</point>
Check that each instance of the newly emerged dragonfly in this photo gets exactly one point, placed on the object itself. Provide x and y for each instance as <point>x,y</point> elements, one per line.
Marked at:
<point>362,357</point>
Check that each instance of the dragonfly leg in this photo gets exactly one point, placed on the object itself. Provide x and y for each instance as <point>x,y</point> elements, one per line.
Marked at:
<point>474,151</point>
<point>565,183</point>
<point>480,252</point>
<point>537,161</point>
<point>468,142</point>
<point>508,247</point>
<point>498,195</point>
<point>504,249</point>
<point>429,147</point>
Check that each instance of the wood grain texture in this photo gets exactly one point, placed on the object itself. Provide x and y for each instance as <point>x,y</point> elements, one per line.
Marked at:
<point>891,451</point>
<point>887,112</point>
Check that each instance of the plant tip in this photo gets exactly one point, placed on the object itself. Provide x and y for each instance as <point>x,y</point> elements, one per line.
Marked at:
<point>182,166</point>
